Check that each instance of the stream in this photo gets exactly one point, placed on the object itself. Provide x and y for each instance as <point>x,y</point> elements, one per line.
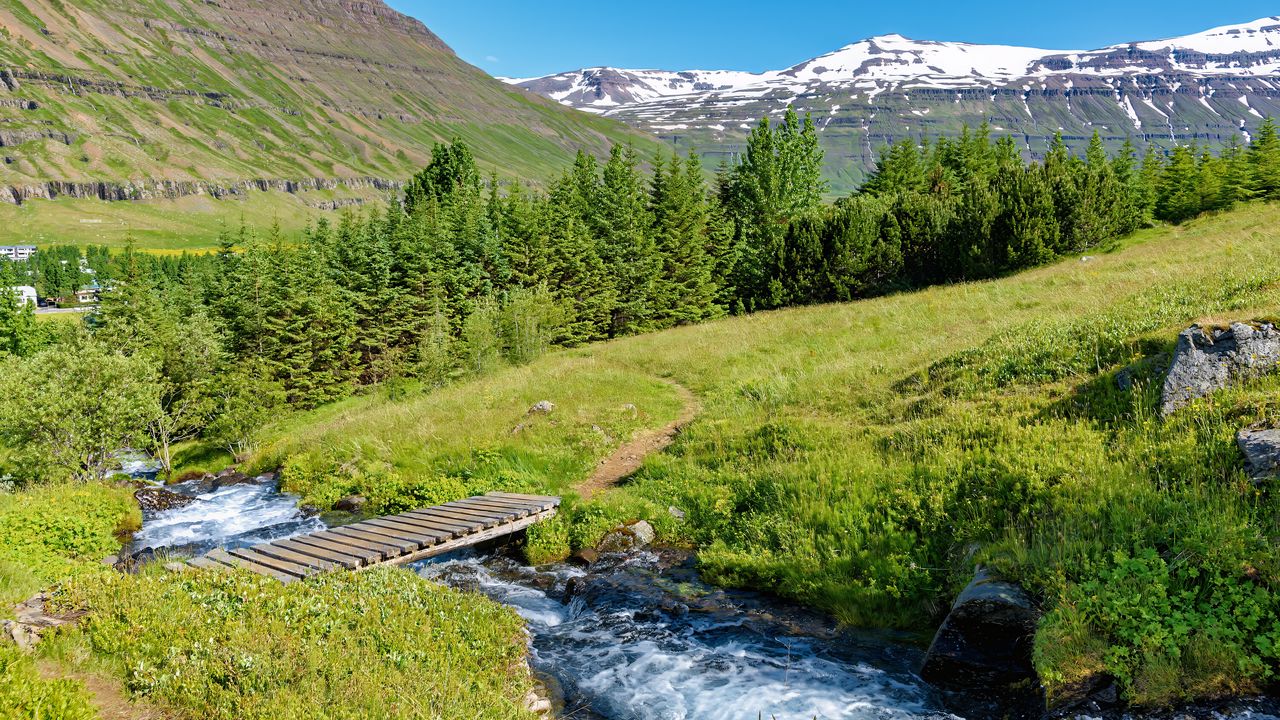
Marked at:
<point>640,637</point>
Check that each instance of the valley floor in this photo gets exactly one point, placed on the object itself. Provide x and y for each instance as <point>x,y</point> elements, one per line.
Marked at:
<point>859,458</point>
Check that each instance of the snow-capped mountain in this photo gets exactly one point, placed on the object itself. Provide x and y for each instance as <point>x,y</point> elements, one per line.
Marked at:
<point>1201,87</point>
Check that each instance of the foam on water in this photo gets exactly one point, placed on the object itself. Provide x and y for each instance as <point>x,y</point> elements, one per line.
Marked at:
<point>636,656</point>
<point>230,517</point>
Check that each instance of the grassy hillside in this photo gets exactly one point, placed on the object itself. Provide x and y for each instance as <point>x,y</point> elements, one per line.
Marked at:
<point>862,457</point>
<point>137,91</point>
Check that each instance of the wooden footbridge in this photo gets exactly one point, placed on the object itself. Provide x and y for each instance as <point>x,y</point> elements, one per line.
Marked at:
<point>394,540</point>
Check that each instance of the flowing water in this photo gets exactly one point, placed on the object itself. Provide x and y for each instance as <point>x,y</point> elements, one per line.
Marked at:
<point>647,641</point>
<point>638,638</point>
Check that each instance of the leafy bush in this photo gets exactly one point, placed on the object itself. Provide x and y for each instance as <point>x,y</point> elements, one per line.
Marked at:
<point>50,532</point>
<point>25,695</point>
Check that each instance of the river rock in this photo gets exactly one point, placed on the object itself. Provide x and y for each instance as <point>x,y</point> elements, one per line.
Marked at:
<point>632,536</point>
<point>585,557</point>
<point>156,499</point>
<point>132,564</point>
<point>985,643</point>
<point>353,504</point>
<point>1261,450</point>
<point>1206,361</point>
<point>230,479</point>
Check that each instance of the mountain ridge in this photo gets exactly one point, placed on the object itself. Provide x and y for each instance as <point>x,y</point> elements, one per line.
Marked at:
<point>1204,87</point>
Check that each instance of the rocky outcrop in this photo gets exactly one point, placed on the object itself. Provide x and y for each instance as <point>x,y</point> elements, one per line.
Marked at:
<point>985,643</point>
<point>30,622</point>
<point>1261,450</point>
<point>172,189</point>
<point>1207,360</point>
<point>10,138</point>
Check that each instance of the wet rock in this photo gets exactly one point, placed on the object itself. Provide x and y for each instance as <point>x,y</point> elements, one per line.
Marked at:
<point>985,642</point>
<point>195,475</point>
<point>135,562</point>
<point>353,504</point>
<point>632,536</point>
<point>155,499</point>
<point>1208,360</point>
<point>268,477</point>
<point>544,407</point>
<point>230,479</point>
<point>585,557</point>
<point>1261,450</point>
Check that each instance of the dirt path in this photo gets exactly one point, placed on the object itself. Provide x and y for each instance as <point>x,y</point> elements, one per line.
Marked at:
<point>627,459</point>
<point>107,695</point>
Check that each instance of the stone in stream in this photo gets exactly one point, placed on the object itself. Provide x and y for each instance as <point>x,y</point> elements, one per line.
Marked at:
<point>228,479</point>
<point>632,536</point>
<point>156,499</point>
<point>1206,361</point>
<point>354,504</point>
<point>985,643</point>
<point>1261,450</point>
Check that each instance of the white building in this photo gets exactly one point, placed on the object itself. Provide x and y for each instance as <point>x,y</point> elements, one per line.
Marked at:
<point>17,253</point>
<point>26,294</point>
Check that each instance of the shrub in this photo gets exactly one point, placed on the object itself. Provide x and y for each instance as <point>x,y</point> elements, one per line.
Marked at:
<point>24,694</point>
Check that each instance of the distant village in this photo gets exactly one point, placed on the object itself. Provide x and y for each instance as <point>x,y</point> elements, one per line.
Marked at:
<point>80,296</point>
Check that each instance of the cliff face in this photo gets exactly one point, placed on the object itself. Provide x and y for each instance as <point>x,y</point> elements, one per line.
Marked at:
<point>1200,88</point>
<point>219,92</point>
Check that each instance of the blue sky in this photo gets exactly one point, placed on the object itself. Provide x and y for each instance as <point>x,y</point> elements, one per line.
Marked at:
<point>536,37</point>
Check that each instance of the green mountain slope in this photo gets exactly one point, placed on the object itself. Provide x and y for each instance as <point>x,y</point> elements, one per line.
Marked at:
<point>139,99</point>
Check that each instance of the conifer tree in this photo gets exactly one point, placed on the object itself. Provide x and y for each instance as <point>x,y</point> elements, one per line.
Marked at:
<point>1264,156</point>
<point>627,246</point>
<point>686,289</point>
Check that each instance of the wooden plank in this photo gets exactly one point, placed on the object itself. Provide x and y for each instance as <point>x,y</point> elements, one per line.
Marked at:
<point>448,531</point>
<point>341,559</point>
<point>205,563</point>
<point>398,526</point>
<point>521,510</point>
<point>497,503</point>
<point>401,546</point>
<point>454,526</point>
<point>419,540</point>
<point>284,566</point>
<point>468,541</point>
<point>545,502</point>
<point>521,496</point>
<point>345,545</point>
<point>283,553</point>
<point>448,515</point>
<point>479,513</point>
<point>231,561</point>
<point>502,502</point>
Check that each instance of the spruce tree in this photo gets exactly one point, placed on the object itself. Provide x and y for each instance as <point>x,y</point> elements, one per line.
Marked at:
<point>627,246</point>
<point>1264,156</point>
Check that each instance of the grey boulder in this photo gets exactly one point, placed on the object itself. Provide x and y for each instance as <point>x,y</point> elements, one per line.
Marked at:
<point>1261,450</point>
<point>1206,361</point>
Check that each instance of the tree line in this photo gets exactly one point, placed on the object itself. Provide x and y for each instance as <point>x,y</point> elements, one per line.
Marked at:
<point>463,275</point>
